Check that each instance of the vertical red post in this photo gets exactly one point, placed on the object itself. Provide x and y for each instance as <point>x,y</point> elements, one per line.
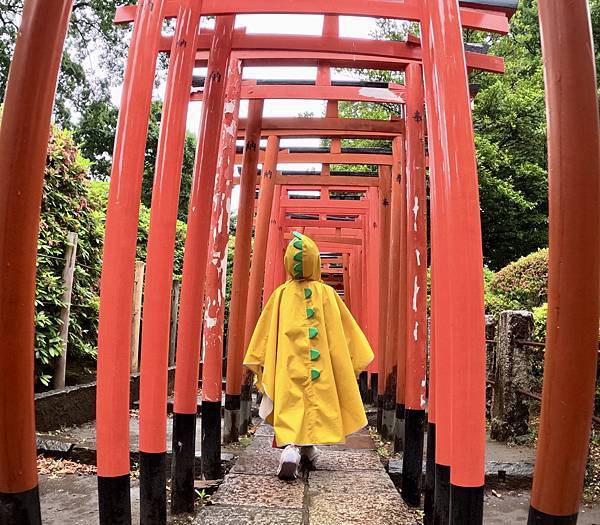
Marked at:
<point>416,311</point>
<point>272,260</point>
<point>462,257</point>
<point>385,204</point>
<point>241,263</point>
<point>331,27</point>
<point>159,268</point>
<point>394,287</point>
<point>371,284</point>
<point>399,438</point>
<point>573,280</point>
<point>437,486</point>
<point>216,273</point>
<point>25,125</point>
<point>194,269</point>
<point>346,280</point>
<point>261,236</point>
<point>116,285</point>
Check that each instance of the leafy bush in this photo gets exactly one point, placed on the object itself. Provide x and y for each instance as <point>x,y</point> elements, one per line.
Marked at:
<point>66,206</point>
<point>521,285</point>
<point>71,202</point>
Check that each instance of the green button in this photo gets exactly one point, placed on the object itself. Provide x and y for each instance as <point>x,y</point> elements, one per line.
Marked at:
<point>298,245</point>
<point>307,293</point>
<point>314,354</point>
<point>314,374</point>
<point>298,235</point>
<point>312,332</point>
<point>310,312</point>
<point>298,257</point>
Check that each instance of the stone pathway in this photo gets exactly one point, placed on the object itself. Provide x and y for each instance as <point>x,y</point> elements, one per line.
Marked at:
<point>349,485</point>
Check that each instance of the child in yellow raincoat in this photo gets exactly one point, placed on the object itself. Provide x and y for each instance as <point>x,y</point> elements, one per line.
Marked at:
<point>306,352</point>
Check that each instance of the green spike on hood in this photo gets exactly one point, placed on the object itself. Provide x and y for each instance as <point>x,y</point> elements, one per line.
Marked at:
<point>303,250</point>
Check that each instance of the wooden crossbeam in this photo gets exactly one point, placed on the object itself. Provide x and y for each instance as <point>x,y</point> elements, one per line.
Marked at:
<point>483,20</point>
<point>251,91</point>
<point>285,157</point>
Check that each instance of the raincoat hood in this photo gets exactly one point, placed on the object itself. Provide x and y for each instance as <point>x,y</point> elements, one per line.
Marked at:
<point>302,258</point>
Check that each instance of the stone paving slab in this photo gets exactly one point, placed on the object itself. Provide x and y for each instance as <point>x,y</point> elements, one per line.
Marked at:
<point>348,486</point>
<point>364,483</point>
<point>367,497</point>
<point>261,443</point>
<point>220,515</point>
<point>260,461</point>
<point>265,430</point>
<point>260,491</point>
<point>348,460</point>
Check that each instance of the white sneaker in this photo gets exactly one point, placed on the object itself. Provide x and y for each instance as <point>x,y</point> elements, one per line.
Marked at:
<point>288,463</point>
<point>309,454</point>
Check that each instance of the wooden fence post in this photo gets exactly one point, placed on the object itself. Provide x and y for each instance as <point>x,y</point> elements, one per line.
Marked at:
<point>60,365</point>
<point>136,317</point>
<point>174,317</point>
<point>510,409</point>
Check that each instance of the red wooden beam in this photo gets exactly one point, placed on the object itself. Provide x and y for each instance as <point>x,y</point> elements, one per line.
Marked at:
<point>278,124</point>
<point>354,53</point>
<point>285,157</point>
<point>326,180</point>
<point>251,91</point>
<point>396,9</point>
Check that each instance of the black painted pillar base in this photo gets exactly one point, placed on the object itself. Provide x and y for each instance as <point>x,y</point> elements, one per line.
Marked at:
<point>399,429</point>
<point>429,475</point>
<point>389,417</point>
<point>466,505</point>
<point>373,389</point>
<point>114,500</point>
<point>20,508</point>
<point>245,409</point>
<point>537,517</point>
<point>363,385</point>
<point>211,439</point>
<point>231,419</point>
<point>412,460</point>
<point>153,491</point>
<point>379,413</point>
<point>441,497</point>
<point>182,467</point>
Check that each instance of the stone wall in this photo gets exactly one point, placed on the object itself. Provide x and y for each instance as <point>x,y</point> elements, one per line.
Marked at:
<point>74,405</point>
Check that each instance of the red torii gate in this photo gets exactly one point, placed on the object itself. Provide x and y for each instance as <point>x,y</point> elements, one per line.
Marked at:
<point>456,281</point>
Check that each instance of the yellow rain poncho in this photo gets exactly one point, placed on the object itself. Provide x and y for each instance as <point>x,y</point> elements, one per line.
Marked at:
<point>307,351</point>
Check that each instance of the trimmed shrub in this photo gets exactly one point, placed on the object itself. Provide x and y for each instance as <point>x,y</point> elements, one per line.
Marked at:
<point>71,202</point>
<point>66,206</point>
<point>521,285</point>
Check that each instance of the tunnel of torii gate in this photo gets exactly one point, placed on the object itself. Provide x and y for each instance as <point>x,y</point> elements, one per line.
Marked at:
<point>374,230</point>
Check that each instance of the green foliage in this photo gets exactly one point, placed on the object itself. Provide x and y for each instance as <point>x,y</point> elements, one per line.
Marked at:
<point>71,202</point>
<point>187,170</point>
<point>521,285</point>
<point>540,317</point>
<point>92,59</point>
<point>510,135</point>
<point>66,207</point>
<point>96,132</point>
